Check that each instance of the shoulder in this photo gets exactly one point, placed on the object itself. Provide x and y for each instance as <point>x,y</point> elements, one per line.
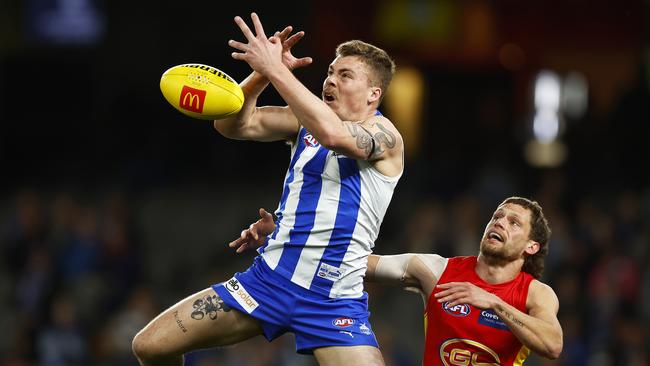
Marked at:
<point>541,296</point>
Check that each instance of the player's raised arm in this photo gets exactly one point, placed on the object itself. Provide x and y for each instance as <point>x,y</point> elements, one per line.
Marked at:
<point>344,120</point>
<point>269,123</point>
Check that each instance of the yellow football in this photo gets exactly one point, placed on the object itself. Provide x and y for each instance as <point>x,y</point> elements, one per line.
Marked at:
<point>201,91</point>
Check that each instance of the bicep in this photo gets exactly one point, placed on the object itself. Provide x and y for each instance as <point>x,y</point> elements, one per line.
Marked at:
<point>372,140</point>
<point>388,268</point>
<point>543,303</point>
<point>269,123</point>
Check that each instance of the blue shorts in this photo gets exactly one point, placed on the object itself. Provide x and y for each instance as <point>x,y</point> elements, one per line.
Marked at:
<point>282,306</point>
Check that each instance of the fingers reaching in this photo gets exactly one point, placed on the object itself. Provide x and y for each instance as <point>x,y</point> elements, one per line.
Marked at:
<point>258,25</point>
<point>244,28</point>
<point>291,41</point>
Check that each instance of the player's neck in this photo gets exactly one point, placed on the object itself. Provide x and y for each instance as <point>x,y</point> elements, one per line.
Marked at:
<point>361,115</point>
<point>495,271</point>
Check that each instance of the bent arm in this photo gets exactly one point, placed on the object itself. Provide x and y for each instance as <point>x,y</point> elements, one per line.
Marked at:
<point>412,270</point>
<point>373,139</point>
<point>258,123</point>
<point>389,269</point>
<point>539,330</point>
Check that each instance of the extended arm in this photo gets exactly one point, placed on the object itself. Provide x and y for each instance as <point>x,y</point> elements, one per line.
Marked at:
<point>411,270</point>
<point>372,138</point>
<point>269,123</point>
<point>539,330</point>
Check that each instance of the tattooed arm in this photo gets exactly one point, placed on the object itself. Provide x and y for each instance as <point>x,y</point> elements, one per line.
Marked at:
<point>539,329</point>
<point>376,140</point>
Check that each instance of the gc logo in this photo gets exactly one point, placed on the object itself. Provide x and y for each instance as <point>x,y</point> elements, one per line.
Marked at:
<point>464,352</point>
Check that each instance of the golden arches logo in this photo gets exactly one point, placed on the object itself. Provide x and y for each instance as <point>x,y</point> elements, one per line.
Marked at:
<point>192,99</point>
<point>465,352</point>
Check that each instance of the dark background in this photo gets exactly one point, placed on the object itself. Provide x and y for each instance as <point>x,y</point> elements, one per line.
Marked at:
<point>113,205</point>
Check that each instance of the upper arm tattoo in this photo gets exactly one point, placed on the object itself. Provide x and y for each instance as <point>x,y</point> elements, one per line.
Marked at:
<point>383,137</point>
<point>372,144</point>
<point>364,138</point>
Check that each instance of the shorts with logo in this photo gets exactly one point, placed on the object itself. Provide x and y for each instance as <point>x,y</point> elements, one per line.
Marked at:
<point>282,306</point>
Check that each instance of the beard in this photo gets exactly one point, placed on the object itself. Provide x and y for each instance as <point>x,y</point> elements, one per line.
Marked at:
<point>497,254</point>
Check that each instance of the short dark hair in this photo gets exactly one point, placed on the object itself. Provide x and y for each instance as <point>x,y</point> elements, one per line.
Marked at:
<point>539,232</point>
<point>380,63</point>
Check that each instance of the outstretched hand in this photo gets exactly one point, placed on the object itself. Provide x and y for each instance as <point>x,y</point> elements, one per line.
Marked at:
<point>288,59</point>
<point>266,54</point>
<point>255,236</point>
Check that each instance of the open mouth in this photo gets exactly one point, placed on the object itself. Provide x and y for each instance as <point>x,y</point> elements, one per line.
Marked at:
<point>496,236</point>
<point>327,97</point>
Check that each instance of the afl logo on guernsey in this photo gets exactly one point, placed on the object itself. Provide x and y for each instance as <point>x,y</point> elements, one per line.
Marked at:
<point>310,140</point>
<point>342,322</point>
<point>459,310</point>
<point>458,351</point>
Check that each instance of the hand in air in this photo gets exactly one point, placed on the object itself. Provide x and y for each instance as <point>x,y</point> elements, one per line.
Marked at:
<point>288,59</point>
<point>255,236</point>
<point>261,53</point>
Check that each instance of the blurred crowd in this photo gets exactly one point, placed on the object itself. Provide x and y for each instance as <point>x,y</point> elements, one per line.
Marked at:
<point>76,280</point>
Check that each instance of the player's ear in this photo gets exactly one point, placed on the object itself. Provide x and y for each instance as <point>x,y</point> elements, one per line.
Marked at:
<point>532,247</point>
<point>374,95</point>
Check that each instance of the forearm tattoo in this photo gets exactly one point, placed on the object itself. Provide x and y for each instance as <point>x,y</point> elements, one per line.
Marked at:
<point>209,305</point>
<point>364,138</point>
<point>513,319</point>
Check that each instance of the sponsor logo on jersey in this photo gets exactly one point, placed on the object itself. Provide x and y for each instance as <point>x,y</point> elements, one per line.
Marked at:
<point>363,328</point>
<point>489,318</point>
<point>240,294</point>
<point>460,310</point>
<point>458,351</point>
<point>310,140</point>
<point>343,322</point>
<point>192,99</point>
<point>329,272</point>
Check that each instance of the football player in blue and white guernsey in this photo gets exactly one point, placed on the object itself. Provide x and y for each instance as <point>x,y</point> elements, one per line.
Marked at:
<point>346,159</point>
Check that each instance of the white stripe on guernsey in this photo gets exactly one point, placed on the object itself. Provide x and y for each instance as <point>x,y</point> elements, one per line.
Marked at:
<point>272,257</point>
<point>325,217</point>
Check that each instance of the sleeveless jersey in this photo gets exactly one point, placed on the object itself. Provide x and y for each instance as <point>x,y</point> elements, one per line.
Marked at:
<point>466,335</point>
<point>328,218</point>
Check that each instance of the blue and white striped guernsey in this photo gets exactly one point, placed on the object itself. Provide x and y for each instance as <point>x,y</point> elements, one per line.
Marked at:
<point>328,219</point>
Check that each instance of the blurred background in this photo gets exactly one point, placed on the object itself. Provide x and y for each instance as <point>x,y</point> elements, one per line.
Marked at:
<point>114,206</point>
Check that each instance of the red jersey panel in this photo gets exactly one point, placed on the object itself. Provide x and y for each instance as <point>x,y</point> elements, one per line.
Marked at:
<point>466,335</point>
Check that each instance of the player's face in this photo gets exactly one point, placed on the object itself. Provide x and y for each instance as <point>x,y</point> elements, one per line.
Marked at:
<point>347,87</point>
<point>506,236</point>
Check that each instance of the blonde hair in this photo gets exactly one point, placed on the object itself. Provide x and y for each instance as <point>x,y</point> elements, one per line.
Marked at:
<point>381,65</point>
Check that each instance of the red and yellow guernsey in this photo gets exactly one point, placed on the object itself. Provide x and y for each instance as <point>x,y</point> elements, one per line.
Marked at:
<point>466,335</point>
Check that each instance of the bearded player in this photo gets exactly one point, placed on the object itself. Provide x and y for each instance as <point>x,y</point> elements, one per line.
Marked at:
<point>346,159</point>
<point>489,309</point>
